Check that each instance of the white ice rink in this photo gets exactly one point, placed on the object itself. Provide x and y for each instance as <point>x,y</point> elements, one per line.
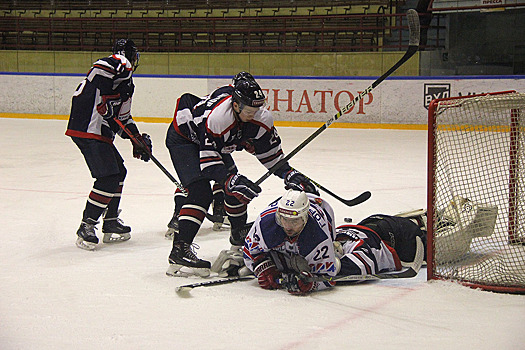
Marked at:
<point>56,296</point>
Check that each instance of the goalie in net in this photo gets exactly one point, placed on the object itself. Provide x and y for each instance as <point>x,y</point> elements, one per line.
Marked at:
<point>476,184</point>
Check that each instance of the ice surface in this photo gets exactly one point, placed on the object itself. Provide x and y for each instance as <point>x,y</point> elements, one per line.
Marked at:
<point>56,296</point>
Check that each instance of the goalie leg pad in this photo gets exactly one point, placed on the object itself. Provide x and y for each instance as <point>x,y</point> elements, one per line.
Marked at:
<point>460,222</point>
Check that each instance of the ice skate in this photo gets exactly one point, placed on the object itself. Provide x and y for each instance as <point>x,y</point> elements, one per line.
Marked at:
<point>238,234</point>
<point>173,227</point>
<point>183,258</point>
<point>115,231</point>
<point>87,239</point>
<point>219,213</point>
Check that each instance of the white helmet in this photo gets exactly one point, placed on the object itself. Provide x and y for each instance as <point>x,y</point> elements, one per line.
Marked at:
<point>292,212</point>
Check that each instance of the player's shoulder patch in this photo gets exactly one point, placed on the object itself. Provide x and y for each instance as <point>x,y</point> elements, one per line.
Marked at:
<point>264,118</point>
<point>220,119</point>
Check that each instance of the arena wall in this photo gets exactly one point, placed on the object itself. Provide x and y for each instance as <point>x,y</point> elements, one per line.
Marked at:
<point>399,102</point>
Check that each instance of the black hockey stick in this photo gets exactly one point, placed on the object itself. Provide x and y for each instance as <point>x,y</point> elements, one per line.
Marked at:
<point>155,160</point>
<point>413,44</point>
<point>349,202</point>
<point>187,287</point>
<point>411,270</point>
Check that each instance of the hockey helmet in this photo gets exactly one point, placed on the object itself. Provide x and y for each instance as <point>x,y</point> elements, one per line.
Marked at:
<point>127,48</point>
<point>242,76</point>
<point>247,93</point>
<point>292,212</point>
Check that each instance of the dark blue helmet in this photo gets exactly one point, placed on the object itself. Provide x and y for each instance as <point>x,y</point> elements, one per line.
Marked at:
<point>127,48</point>
<point>242,76</point>
<point>248,93</point>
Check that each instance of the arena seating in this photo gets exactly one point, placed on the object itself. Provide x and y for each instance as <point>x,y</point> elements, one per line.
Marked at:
<point>202,26</point>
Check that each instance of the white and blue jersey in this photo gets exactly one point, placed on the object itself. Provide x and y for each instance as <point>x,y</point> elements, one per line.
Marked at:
<point>314,243</point>
<point>364,252</point>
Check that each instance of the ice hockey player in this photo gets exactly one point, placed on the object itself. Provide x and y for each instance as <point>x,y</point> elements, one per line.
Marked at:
<point>203,134</point>
<point>219,213</point>
<point>100,99</point>
<point>301,225</point>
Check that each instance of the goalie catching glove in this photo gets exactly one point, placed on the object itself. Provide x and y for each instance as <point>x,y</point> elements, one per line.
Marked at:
<point>296,181</point>
<point>242,188</point>
<point>142,146</point>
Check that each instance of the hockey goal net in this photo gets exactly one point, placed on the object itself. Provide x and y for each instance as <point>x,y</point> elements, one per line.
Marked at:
<point>476,191</point>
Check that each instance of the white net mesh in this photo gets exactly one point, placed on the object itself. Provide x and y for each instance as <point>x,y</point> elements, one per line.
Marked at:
<point>478,181</point>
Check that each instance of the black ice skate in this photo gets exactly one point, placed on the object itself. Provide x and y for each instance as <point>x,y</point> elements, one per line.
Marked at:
<point>238,234</point>
<point>173,227</point>
<point>87,239</point>
<point>219,212</point>
<point>183,256</point>
<point>115,231</point>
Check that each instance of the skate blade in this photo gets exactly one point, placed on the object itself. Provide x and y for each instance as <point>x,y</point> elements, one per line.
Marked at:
<point>115,237</point>
<point>85,245</point>
<point>175,270</point>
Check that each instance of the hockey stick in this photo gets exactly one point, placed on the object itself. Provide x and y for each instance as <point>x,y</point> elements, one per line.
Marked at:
<point>413,44</point>
<point>411,270</point>
<point>349,202</point>
<point>187,287</point>
<point>155,160</point>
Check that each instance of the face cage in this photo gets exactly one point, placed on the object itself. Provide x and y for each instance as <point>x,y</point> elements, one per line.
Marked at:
<point>304,219</point>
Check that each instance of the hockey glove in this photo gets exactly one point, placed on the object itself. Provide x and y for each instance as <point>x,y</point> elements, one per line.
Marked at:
<point>267,275</point>
<point>142,147</point>
<point>298,284</point>
<point>296,181</point>
<point>242,188</point>
<point>110,106</point>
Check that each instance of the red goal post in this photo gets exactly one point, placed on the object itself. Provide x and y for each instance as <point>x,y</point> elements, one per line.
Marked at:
<point>476,191</point>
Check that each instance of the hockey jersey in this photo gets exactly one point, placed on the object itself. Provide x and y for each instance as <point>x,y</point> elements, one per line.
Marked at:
<point>108,81</point>
<point>362,252</point>
<point>314,243</point>
<point>211,123</point>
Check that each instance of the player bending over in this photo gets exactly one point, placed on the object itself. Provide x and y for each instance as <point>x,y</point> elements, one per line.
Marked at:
<point>203,134</point>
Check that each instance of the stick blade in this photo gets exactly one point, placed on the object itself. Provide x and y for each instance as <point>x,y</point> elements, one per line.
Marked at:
<point>359,199</point>
<point>413,27</point>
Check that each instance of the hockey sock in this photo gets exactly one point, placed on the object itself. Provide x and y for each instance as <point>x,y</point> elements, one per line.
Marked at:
<point>237,211</point>
<point>112,209</point>
<point>194,210</point>
<point>114,203</point>
<point>180,199</point>
<point>218,194</point>
<point>100,196</point>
